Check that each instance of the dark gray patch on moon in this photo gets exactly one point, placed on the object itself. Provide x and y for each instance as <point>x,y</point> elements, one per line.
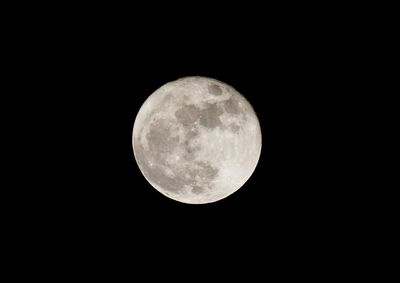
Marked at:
<point>214,89</point>
<point>232,106</point>
<point>159,138</point>
<point>210,116</point>
<point>158,176</point>
<point>189,152</point>
<point>197,190</point>
<point>206,172</point>
<point>234,128</point>
<point>192,133</point>
<point>187,115</point>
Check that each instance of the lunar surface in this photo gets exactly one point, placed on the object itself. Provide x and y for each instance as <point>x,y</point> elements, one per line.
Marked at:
<point>196,140</point>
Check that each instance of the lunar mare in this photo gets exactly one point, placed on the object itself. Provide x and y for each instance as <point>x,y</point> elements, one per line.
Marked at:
<point>196,140</point>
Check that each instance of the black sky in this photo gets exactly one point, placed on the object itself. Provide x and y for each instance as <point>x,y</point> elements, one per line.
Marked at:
<point>94,71</point>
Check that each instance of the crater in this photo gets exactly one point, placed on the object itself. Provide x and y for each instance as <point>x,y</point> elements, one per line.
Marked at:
<point>214,89</point>
<point>210,116</point>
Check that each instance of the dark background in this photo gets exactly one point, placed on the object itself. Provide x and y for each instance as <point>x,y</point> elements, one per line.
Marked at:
<point>90,72</point>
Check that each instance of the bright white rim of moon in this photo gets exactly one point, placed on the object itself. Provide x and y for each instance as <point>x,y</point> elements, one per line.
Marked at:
<point>196,140</point>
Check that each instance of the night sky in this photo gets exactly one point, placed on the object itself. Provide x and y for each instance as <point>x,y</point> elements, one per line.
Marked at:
<point>96,73</point>
<point>284,81</point>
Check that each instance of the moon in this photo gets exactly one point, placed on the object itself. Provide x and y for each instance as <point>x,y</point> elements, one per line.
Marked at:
<point>196,140</point>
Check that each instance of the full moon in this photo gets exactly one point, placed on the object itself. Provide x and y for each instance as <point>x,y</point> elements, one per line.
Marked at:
<point>196,140</point>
